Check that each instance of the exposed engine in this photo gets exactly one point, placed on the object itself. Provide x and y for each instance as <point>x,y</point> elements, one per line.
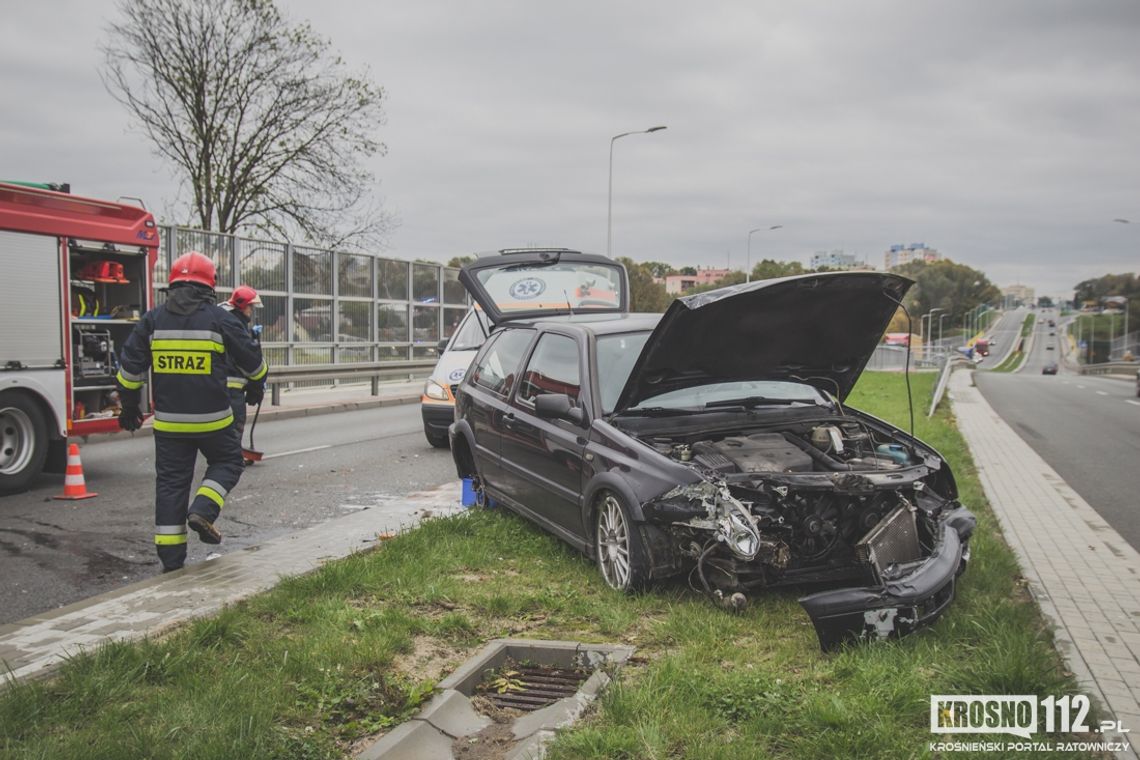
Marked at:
<point>820,502</point>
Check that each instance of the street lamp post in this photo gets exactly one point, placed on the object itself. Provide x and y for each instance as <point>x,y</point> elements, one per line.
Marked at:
<point>610,200</point>
<point>940,318</point>
<point>748,261</point>
<point>929,320</point>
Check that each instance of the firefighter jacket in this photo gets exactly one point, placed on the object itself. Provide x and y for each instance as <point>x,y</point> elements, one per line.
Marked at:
<point>188,344</point>
<point>235,380</point>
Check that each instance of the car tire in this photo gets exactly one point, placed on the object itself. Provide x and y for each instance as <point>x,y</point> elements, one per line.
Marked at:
<point>618,547</point>
<point>23,441</point>
<point>437,440</point>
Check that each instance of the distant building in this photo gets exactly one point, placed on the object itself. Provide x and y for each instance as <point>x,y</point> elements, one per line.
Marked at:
<point>837,260</point>
<point>682,283</point>
<point>1013,294</point>
<point>904,254</point>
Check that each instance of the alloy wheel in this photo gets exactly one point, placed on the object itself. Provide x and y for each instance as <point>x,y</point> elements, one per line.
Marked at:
<point>613,543</point>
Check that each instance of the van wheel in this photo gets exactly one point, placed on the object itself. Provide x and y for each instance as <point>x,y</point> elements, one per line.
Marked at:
<point>23,441</point>
<point>437,440</point>
<point>620,553</point>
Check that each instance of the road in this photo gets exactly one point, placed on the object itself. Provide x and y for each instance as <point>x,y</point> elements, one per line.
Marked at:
<point>317,468</point>
<point>1086,427</point>
<point>1003,336</point>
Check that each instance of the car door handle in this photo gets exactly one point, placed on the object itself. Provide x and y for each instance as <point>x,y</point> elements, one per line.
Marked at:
<point>508,419</point>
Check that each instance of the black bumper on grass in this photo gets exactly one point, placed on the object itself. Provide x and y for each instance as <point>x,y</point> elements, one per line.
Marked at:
<point>898,606</point>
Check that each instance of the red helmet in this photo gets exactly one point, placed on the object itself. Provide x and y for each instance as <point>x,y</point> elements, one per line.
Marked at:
<point>243,296</point>
<point>193,267</point>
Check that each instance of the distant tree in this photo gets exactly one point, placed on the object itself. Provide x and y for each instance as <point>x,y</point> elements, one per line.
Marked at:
<point>1045,302</point>
<point>945,284</point>
<point>768,268</point>
<point>689,271</point>
<point>658,268</point>
<point>1099,288</point>
<point>644,294</point>
<point>458,261</point>
<point>259,118</point>
<point>732,278</point>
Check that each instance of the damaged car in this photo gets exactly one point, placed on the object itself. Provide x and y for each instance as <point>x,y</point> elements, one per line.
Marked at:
<point>712,441</point>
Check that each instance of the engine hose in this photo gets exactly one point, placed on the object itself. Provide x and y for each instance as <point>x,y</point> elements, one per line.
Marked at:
<point>701,566</point>
<point>820,457</point>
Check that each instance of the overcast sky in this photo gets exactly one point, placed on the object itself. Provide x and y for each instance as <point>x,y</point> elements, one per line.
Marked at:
<point>1004,134</point>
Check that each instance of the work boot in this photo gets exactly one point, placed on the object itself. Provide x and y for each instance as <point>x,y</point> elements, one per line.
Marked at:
<point>205,529</point>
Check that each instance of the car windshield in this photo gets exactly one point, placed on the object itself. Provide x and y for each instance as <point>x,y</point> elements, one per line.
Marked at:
<point>557,286</point>
<point>616,355</point>
<point>471,333</point>
<point>746,393</point>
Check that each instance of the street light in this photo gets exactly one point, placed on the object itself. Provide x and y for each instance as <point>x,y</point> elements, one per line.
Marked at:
<point>610,202</point>
<point>929,327</point>
<point>1122,221</point>
<point>748,263</point>
<point>940,318</point>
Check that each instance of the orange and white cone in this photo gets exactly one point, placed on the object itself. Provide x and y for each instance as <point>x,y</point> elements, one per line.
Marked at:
<point>74,486</point>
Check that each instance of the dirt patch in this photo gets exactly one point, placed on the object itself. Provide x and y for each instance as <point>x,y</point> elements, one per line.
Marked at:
<point>492,743</point>
<point>429,659</point>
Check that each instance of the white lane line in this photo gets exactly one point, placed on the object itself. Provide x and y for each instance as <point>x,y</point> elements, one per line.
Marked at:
<point>297,451</point>
<point>1101,393</point>
<point>1080,386</point>
<point>1134,403</point>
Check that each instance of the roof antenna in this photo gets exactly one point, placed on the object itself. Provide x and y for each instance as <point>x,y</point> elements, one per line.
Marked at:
<point>568,306</point>
<point>906,368</point>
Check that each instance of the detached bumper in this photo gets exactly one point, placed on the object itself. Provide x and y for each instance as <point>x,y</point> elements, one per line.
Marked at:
<point>900,606</point>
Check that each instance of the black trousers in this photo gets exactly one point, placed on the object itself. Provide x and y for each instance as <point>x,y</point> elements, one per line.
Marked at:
<point>174,458</point>
<point>237,403</point>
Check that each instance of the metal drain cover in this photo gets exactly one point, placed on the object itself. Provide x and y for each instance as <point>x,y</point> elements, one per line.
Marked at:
<point>535,686</point>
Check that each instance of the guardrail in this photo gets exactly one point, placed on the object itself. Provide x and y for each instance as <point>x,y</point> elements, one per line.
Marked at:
<point>951,363</point>
<point>1109,368</point>
<point>279,376</point>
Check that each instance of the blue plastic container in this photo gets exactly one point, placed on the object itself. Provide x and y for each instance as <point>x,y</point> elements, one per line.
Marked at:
<point>895,451</point>
<point>468,498</point>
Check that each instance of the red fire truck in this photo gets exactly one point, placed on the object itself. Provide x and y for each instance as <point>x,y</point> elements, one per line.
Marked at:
<point>76,278</point>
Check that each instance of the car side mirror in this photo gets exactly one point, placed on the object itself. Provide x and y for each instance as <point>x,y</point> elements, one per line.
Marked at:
<point>442,345</point>
<point>557,406</point>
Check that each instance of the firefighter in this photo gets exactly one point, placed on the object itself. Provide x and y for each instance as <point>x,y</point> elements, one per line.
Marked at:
<point>187,344</point>
<point>242,392</point>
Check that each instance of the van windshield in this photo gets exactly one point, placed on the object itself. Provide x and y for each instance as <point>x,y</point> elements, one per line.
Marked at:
<point>471,333</point>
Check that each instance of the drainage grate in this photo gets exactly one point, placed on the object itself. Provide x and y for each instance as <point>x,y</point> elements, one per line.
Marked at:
<point>536,686</point>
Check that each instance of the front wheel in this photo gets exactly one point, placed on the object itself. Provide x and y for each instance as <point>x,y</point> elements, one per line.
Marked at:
<point>618,547</point>
<point>437,440</point>
<point>23,441</point>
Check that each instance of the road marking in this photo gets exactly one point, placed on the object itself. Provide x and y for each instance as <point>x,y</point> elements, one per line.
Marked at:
<point>1134,403</point>
<point>1101,393</point>
<point>1080,386</point>
<point>297,451</point>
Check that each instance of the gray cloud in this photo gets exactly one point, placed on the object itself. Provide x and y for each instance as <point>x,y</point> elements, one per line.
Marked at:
<point>1003,134</point>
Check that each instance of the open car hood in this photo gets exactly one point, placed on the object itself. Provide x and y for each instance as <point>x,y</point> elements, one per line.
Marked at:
<point>532,283</point>
<point>819,329</point>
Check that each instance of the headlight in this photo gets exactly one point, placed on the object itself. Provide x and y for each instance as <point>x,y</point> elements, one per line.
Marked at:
<point>432,389</point>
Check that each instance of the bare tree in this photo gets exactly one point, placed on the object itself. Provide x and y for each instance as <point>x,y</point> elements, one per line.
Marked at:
<point>264,123</point>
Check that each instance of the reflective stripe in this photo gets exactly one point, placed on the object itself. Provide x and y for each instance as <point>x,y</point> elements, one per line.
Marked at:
<point>131,376</point>
<point>126,382</point>
<point>212,495</point>
<point>193,427</point>
<point>235,382</point>
<point>187,335</point>
<point>261,372</point>
<point>170,530</point>
<point>187,345</point>
<point>207,417</point>
<point>215,486</point>
<point>165,540</point>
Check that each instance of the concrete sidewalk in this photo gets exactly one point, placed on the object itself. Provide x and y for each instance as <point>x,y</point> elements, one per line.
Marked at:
<point>34,646</point>
<point>1084,576</point>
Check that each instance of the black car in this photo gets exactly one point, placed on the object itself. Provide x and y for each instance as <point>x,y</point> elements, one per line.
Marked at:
<point>1049,369</point>
<point>713,441</point>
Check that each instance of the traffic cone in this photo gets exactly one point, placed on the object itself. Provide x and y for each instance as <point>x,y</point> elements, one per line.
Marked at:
<point>74,486</point>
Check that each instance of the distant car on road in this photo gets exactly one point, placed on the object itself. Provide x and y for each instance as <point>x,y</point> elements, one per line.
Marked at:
<point>1050,347</point>
<point>1049,369</point>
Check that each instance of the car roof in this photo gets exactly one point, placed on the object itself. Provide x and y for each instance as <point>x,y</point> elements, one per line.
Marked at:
<point>594,324</point>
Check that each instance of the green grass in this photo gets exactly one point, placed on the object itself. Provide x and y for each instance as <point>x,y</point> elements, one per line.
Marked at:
<point>344,653</point>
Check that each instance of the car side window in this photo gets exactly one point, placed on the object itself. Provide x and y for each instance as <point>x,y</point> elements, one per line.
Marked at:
<point>497,368</point>
<point>553,368</point>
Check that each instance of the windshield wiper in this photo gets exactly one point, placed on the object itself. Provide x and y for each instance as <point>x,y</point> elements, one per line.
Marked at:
<point>659,411</point>
<point>752,401</point>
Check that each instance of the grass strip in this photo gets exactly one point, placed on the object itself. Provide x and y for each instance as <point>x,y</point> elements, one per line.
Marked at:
<point>330,659</point>
<point>1014,360</point>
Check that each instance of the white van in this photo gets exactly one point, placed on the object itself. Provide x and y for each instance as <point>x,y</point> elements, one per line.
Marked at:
<point>437,404</point>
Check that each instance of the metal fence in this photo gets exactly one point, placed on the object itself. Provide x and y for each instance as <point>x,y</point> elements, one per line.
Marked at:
<point>324,307</point>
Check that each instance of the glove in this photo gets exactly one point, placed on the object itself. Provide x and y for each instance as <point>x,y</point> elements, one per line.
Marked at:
<point>254,393</point>
<point>130,419</point>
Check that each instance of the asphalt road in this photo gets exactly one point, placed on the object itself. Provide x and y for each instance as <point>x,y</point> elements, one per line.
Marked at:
<point>1003,337</point>
<point>1086,427</point>
<point>53,553</point>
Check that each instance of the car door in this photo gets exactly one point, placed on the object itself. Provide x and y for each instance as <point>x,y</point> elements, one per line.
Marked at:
<point>542,458</point>
<point>488,386</point>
